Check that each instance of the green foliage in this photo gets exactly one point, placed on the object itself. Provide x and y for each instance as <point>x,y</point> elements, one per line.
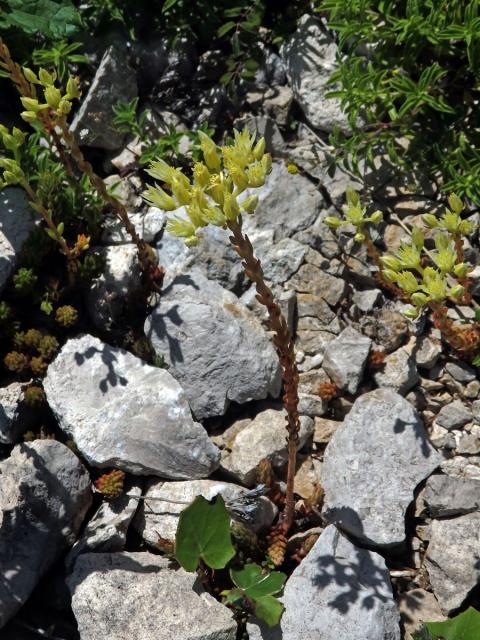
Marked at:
<point>203,534</point>
<point>418,86</point>
<point>24,281</point>
<point>59,56</point>
<point>465,626</point>
<point>53,19</point>
<point>258,587</point>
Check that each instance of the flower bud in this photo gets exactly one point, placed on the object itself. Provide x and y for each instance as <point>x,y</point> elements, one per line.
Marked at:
<point>419,299</point>
<point>201,174</point>
<point>259,149</point>
<point>30,75</point>
<point>461,269</point>
<point>359,237</point>
<point>52,96</point>
<point>47,79</point>
<point>457,291</point>
<point>411,312</point>
<point>73,88</point>
<point>391,262</point>
<point>430,220</point>
<point>230,207</point>
<point>376,217</point>
<point>418,238</point>
<point>250,204</point>
<point>32,104</point>
<point>180,192</point>
<point>28,116</point>
<point>455,204</point>
<point>389,275</point>
<point>353,198</point>
<point>333,222</point>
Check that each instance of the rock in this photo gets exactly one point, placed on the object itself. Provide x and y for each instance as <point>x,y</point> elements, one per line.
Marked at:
<point>324,430</point>
<point>320,237</point>
<point>312,306</point>
<point>345,359</point>
<point>447,496</point>
<point>126,414</point>
<point>416,607</point>
<point>287,301</point>
<point>16,223</point>
<point>107,529</point>
<point>310,57</point>
<point>387,327</point>
<point>399,372</point>
<point>120,596</point>
<point>313,280</point>
<point>214,346</point>
<point>147,224</point>
<point>44,495</point>
<point>383,453</point>
<point>254,440</point>
<point>454,415</point>
<point>452,559</point>
<point>460,371</point>
<point>427,352</point>
<point>15,416</point>
<point>460,467</point>
<point>274,208</point>
<point>157,517</point>
<point>109,295</point>
<point>114,81</point>
<point>469,442</point>
<point>214,256</point>
<point>476,411</point>
<point>338,592</point>
<point>366,300</point>
<point>278,106</point>
<point>307,477</point>
<point>281,260</point>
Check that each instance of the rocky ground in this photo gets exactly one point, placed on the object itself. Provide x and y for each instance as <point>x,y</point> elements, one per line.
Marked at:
<point>397,451</point>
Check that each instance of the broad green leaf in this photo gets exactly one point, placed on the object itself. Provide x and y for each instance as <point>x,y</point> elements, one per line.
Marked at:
<point>259,587</point>
<point>225,28</point>
<point>53,19</point>
<point>203,533</point>
<point>269,609</point>
<point>465,626</point>
<point>255,583</point>
<point>168,4</point>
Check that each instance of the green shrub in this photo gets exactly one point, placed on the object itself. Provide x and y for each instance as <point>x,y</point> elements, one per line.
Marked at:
<point>417,84</point>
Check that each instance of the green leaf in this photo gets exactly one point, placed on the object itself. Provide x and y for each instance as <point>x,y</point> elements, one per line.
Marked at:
<point>203,533</point>
<point>225,28</point>
<point>260,587</point>
<point>465,626</point>
<point>53,19</point>
<point>168,4</point>
<point>256,583</point>
<point>269,609</point>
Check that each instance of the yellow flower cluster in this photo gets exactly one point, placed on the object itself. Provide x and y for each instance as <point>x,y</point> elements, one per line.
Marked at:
<point>56,102</point>
<point>436,281</point>
<point>211,196</point>
<point>355,215</point>
<point>12,141</point>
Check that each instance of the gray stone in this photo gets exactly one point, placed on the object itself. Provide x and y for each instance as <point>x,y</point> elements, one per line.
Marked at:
<point>372,465</point>
<point>454,415</point>
<point>476,411</point>
<point>278,106</point>
<point>114,81</point>
<point>311,405</point>
<point>416,607</point>
<point>287,301</point>
<point>147,224</point>
<point>399,372</point>
<point>214,256</point>
<point>16,223</point>
<point>281,260</point>
<point>164,501</point>
<point>338,592</point>
<point>275,209</point>
<point>427,352</point>
<point>15,416</point>
<point>387,327</point>
<point>469,442</point>
<point>310,57</point>
<point>254,440</point>
<point>447,496</point>
<point>110,294</point>
<point>316,281</point>
<point>345,359</point>
<point>452,559</point>
<point>120,596</point>
<point>107,529</point>
<point>309,305</point>
<point>44,494</point>
<point>460,467</point>
<point>460,371</point>
<point>213,344</point>
<point>126,414</point>
<point>324,430</point>
<point>366,300</point>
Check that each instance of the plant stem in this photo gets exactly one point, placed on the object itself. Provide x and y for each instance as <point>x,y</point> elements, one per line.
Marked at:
<point>283,342</point>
